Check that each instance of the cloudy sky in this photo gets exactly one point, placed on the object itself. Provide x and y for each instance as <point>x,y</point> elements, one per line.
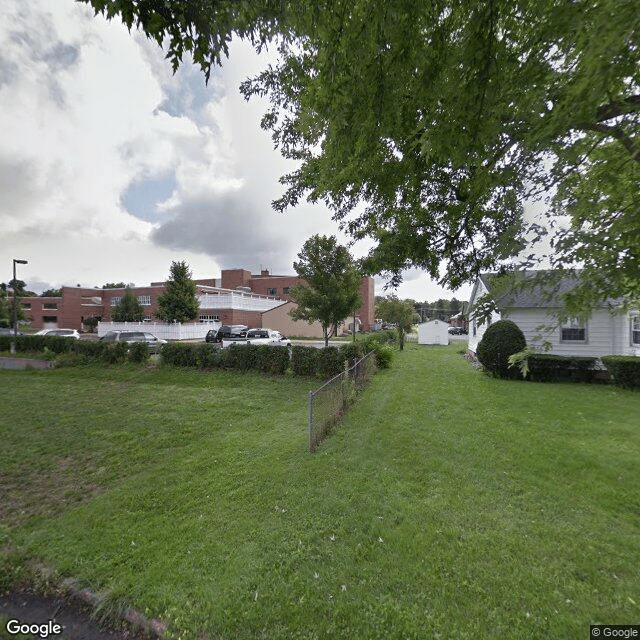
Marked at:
<point>111,167</point>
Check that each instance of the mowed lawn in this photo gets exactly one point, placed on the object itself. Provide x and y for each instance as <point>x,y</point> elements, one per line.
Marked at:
<point>447,505</point>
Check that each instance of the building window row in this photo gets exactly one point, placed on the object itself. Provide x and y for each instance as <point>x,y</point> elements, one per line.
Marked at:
<point>145,301</point>
<point>204,318</point>
<point>273,291</point>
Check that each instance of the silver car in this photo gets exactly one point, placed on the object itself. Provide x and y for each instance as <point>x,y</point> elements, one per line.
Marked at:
<point>129,337</point>
<point>64,333</point>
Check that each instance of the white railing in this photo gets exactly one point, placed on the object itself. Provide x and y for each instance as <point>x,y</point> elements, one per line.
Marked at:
<point>163,330</point>
<point>238,300</point>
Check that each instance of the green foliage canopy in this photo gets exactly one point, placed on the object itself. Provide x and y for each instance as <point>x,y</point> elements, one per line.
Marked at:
<point>442,118</point>
<point>129,309</point>
<point>332,283</point>
<point>178,302</point>
<point>399,312</point>
<point>5,309</point>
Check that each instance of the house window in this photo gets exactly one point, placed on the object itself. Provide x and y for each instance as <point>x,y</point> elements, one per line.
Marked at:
<point>573,331</point>
<point>272,291</point>
<point>26,305</point>
<point>116,300</point>
<point>50,305</point>
<point>635,331</point>
<point>145,301</point>
<point>49,318</point>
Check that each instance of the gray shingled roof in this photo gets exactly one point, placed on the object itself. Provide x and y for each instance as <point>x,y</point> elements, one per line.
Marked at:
<point>534,289</point>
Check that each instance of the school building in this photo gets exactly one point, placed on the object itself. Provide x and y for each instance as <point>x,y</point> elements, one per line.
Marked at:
<point>237,297</point>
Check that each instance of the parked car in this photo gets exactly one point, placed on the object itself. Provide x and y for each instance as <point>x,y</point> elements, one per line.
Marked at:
<point>7,331</point>
<point>64,333</point>
<point>260,336</point>
<point>226,331</point>
<point>457,331</point>
<point>129,337</point>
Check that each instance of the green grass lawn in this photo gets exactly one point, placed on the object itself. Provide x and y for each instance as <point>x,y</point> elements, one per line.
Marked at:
<point>447,505</point>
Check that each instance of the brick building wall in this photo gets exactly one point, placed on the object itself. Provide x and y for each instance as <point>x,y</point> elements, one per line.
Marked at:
<point>268,284</point>
<point>79,303</point>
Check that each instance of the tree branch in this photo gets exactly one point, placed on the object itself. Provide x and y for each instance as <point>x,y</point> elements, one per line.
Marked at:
<point>619,134</point>
<point>618,108</point>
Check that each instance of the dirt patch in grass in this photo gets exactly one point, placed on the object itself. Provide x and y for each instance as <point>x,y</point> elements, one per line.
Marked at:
<point>45,492</point>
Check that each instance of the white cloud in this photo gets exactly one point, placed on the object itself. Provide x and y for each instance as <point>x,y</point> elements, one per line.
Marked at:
<point>87,109</point>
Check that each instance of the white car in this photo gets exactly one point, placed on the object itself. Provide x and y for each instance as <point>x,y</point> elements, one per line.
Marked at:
<point>261,336</point>
<point>64,333</point>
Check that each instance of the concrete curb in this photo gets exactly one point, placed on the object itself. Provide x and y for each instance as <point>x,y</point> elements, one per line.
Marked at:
<point>154,628</point>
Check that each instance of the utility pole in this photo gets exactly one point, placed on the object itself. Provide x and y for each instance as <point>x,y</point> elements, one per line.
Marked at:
<point>15,304</point>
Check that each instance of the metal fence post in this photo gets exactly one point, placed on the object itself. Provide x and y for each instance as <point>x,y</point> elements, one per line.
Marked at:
<point>310,404</point>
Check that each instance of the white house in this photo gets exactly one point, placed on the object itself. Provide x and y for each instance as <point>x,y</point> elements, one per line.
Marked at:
<point>433,332</point>
<point>609,330</point>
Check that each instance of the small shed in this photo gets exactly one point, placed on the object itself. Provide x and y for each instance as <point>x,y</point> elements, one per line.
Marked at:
<point>433,332</point>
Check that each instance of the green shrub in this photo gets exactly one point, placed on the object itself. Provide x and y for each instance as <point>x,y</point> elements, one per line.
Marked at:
<point>273,360</point>
<point>330,362</point>
<point>304,360</point>
<point>115,353</point>
<point>241,357</point>
<point>138,352</point>
<point>625,370</point>
<point>500,341</point>
<point>208,356</point>
<point>383,355</point>
<point>546,367</point>
<point>351,352</point>
<point>93,349</point>
<point>179,354</point>
<point>70,359</point>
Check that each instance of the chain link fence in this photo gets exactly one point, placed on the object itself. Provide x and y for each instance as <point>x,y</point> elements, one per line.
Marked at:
<point>328,404</point>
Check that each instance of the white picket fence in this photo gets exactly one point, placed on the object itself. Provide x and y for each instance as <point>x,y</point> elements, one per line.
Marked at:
<point>163,330</point>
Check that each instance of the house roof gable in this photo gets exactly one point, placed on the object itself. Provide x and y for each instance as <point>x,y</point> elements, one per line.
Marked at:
<point>535,289</point>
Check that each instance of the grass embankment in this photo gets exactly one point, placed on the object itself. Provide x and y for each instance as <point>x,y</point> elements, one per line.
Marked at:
<point>447,505</point>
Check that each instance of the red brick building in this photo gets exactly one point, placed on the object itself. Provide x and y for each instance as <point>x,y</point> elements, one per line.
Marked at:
<point>238,297</point>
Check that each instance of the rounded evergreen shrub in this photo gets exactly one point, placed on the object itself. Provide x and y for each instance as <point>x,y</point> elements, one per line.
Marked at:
<point>501,340</point>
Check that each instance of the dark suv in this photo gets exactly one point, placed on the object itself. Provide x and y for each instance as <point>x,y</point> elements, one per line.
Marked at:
<point>226,331</point>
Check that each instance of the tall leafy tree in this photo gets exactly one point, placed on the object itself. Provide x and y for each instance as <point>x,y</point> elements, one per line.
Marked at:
<point>178,302</point>
<point>5,309</point>
<point>442,117</point>
<point>129,309</point>
<point>331,291</point>
<point>398,312</point>
<point>18,292</point>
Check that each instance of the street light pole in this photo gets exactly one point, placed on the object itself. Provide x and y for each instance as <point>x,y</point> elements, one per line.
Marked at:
<point>15,304</point>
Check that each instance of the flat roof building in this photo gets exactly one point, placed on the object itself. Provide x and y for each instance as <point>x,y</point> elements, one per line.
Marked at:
<point>237,297</point>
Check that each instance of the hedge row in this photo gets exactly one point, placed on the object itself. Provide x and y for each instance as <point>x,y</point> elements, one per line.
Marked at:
<point>551,368</point>
<point>274,360</point>
<point>625,370</point>
<point>70,351</point>
<point>304,361</point>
